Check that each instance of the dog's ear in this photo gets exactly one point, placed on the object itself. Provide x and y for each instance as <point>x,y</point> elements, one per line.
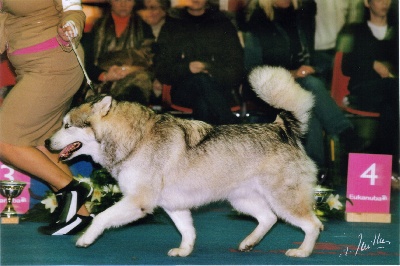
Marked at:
<point>102,107</point>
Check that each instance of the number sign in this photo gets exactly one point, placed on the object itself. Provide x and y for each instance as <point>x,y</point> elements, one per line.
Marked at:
<point>368,183</point>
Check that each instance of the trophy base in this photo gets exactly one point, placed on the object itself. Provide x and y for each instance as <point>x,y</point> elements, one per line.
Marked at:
<point>10,220</point>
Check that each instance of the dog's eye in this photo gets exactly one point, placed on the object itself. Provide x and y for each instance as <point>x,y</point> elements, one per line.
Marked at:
<point>67,126</point>
<point>86,124</point>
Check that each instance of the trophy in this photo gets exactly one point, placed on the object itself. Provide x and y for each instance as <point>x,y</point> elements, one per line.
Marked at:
<point>10,190</point>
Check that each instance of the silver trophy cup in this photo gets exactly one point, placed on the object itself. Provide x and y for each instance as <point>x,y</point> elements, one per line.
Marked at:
<point>10,190</point>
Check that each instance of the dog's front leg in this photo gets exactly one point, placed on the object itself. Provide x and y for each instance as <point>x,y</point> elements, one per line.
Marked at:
<point>121,213</point>
<point>184,223</point>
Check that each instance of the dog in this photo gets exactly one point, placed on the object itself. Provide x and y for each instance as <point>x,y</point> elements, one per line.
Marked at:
<point>163,161</point>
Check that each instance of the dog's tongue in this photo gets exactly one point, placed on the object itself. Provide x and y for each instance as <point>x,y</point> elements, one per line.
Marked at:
<point>69,149</point>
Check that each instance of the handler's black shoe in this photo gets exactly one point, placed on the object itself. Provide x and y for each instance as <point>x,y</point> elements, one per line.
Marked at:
<point>72,197</point>
<point>74,226</point>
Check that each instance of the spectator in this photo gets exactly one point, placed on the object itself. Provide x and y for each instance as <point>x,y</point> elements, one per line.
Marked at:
<point>48,75</point>
<point>201,57</point>
<point>372,65</point>
<point>330,18</point>
<point>118,53</point>
<point>154,13</point>
<point>276,38</point>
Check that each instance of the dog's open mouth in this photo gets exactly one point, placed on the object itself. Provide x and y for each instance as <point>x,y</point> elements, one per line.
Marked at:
<point>69,150</point>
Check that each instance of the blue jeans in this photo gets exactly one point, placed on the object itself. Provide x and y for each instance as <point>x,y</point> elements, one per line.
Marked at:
<point>326,116</point>
<point>322,61</point>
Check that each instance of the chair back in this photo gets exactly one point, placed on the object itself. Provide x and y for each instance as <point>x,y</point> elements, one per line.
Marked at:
<point>7,77</point>
<point>167,102</point>
<point>339,88</point>
<point>339,81</point>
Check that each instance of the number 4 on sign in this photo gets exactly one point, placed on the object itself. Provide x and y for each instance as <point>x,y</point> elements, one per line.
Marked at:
<point>371,174</point>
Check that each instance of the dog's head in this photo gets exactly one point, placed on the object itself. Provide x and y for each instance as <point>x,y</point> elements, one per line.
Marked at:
<point>78,136</point>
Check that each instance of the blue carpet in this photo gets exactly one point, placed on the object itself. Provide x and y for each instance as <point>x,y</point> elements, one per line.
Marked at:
<point>219,232</point>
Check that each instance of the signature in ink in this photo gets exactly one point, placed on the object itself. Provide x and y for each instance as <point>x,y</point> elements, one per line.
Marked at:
<point>363,246</point>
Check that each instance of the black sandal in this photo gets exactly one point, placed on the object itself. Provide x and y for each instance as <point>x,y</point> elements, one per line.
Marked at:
<point>70,200</point>
<point>74,226</point>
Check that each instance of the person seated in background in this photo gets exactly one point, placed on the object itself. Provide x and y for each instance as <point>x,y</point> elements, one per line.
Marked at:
<point>155,13</point>
<point>118,54</point>
<point>372,65</point>
<point>200,56</point>
<point>330,18</point>
<point>275,37</point>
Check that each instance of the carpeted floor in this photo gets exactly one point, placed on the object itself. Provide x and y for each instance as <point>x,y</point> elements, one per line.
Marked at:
<point>219,231</point>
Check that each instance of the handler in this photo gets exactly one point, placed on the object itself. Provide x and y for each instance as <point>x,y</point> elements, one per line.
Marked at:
<point>35,34</point>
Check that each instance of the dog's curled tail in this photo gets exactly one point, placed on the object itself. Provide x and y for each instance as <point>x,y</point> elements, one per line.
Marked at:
<point>277,87</point>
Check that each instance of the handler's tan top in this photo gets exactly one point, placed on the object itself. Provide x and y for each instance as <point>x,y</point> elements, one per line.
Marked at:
<point>29,22</point>
<point>47,79</point>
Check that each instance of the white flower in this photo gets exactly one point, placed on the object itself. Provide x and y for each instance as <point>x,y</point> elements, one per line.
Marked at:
<point>84,180</point>
<point>89,205</point>
<point>333,202</point>
<point>50,202</point>
<point>106,189</point>
<point>97,195</point>
<point>115,189</point>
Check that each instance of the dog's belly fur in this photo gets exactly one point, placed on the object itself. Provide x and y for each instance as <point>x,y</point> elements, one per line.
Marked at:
<point>193,186</point>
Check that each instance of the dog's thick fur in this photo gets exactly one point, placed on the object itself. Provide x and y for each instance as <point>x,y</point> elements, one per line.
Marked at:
<point>177,164</point>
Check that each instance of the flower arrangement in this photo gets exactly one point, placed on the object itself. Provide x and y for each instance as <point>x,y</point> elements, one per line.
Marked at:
<point>328,204</point>
<point>105,192</point>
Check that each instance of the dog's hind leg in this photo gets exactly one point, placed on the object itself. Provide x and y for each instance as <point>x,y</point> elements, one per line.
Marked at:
<point>300,214</point>
<point>255,205</point>
<point>184,223</point>
<point>311,227</point>
<point>123,212</point>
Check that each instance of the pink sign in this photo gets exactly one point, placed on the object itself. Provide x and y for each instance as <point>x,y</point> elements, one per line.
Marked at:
<point>368,183</point>
<point>20,203</point>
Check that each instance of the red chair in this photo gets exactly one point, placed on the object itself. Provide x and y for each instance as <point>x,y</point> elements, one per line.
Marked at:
<point>339,89</point>
<point>168,104</point>
<point>7,76</point>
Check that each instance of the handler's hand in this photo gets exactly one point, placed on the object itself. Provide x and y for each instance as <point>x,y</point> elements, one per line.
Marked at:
<point>303,71</point>
<point>381,69</point>
<point>67,30</point>
<point>197,67</point>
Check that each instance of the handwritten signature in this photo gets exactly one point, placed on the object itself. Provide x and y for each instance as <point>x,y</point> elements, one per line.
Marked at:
<point>377,243</point>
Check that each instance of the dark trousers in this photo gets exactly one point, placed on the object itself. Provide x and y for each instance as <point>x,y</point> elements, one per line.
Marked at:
<point>381,96</point>
<point>210,101</point>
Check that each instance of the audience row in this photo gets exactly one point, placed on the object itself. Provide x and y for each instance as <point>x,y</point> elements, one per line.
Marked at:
<point>197,51</point>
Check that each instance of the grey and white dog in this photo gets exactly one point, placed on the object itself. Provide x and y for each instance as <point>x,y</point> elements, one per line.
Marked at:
<point>176,164</point>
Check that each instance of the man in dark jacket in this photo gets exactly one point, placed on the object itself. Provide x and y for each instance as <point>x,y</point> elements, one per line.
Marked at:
<point>373,67</point>
<point>200,55</point>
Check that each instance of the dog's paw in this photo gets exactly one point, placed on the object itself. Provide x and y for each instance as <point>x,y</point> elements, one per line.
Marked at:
<point>245,248</point>
<point>297,253</point>
<point>85,240</point>
<point>179,252</point>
